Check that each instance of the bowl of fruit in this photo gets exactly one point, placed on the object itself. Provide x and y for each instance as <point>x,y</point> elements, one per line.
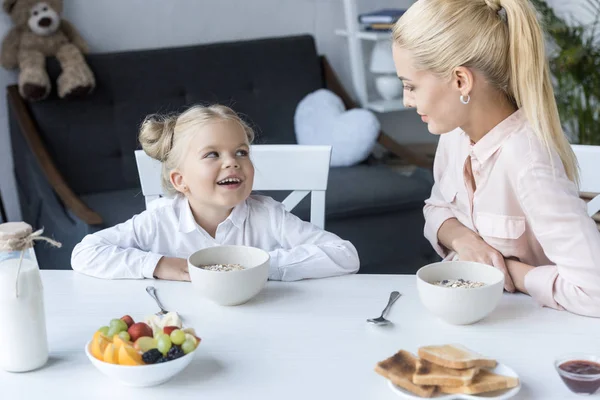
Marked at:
<point>145,353</point>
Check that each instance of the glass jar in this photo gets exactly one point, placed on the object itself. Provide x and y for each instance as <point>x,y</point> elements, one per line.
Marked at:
<point>23,339</point>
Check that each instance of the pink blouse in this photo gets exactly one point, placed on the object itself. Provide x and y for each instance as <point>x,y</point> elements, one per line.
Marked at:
<point>524,206</point>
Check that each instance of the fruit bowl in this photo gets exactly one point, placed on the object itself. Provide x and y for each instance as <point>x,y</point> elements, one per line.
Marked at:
<point>141,375</point>
<point>143,353</point>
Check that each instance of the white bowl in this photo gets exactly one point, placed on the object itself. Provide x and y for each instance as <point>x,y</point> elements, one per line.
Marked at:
<point>141,375</point>
<point>460,306</point>
<point>229,288</point>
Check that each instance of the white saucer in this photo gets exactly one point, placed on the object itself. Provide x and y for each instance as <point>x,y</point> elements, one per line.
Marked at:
<point>500,369</point>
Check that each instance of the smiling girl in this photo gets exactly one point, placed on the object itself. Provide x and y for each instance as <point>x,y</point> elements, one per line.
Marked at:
<point>207,171</point>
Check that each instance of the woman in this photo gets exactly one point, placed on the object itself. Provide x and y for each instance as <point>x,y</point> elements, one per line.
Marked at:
<point>505,190</point>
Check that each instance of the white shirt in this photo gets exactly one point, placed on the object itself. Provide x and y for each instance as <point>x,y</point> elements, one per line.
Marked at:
<point>131,250</point>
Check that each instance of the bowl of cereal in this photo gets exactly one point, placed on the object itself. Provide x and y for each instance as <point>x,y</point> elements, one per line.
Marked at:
<point>460,292</point>
<point>229,275</point>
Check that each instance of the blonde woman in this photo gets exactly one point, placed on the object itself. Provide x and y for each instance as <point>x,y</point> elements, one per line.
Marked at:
<point>208,173</point>
<point>505,190</point>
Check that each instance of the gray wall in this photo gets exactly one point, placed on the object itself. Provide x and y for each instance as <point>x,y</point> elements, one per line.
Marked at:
<point>117,25</point>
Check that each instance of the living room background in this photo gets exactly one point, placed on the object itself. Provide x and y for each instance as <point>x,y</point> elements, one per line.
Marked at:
<point>116,25</point>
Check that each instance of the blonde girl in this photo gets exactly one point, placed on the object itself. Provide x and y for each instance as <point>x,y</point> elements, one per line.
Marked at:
<point>208,174</point>
<point>505,190</point>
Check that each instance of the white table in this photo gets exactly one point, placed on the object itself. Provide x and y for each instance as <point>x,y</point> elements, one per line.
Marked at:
<point>302,340</point>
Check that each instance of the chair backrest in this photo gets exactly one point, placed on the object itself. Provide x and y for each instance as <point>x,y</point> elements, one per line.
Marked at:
<point>588,158</point>
<point>302,169</point>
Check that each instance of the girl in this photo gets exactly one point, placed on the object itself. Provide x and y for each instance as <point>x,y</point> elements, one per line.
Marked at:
<point>505,190</point>
<point>207,170</point>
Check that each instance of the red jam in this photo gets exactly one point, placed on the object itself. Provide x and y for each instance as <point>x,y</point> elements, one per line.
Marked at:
<point>584,369</point>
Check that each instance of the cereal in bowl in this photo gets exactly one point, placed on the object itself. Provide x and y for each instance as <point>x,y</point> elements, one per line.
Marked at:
<point>459,283</point>
<point>222,267</point>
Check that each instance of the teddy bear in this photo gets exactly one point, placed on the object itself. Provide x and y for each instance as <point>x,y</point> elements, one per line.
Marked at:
<point>40,32</point>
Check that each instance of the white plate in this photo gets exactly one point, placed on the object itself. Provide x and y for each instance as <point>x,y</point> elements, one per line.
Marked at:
<point>500,369</point>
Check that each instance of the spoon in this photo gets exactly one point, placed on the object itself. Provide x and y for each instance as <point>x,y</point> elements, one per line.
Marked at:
<point>152,292</point>
<point>381,320</point>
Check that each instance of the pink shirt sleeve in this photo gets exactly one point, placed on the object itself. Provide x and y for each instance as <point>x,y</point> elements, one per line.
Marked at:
<point>437,210</point>
<point>568,236</point>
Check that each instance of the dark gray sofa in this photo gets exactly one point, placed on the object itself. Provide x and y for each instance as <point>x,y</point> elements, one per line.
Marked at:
<point>75,167</point>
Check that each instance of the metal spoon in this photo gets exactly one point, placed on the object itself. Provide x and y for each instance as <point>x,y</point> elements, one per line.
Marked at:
<point>381,320</point>
<point>152,292</point>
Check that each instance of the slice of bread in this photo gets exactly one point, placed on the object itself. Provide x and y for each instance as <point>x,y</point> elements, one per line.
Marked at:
<point>484,381</point>
<point>400,369</point>
<point>455,356</point>
<point>431,374</point>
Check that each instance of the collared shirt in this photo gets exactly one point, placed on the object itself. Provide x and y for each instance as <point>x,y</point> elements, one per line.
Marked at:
<point>509,190</point>
<point>132,249</point>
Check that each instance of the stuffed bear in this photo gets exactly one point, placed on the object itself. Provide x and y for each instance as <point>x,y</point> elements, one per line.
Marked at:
<point>40,32</point>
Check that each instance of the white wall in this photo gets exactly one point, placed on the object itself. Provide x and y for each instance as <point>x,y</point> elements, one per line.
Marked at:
<point>117,25</point>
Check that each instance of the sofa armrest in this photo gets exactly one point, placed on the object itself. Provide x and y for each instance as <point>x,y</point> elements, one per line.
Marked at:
<point>333,83</point>
<point>30,132</point>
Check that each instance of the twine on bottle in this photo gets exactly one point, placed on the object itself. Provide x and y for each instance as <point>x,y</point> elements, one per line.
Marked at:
<point>22,244</point>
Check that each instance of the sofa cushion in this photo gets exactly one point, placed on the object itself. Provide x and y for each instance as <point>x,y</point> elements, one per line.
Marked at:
<point>364,190</point>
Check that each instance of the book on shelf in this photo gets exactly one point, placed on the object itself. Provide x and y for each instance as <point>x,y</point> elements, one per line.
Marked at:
<point>383,16</point>
<point>377,27</point>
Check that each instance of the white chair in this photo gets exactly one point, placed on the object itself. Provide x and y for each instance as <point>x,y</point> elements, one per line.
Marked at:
<point>588,158</point>
<point>302,169</point>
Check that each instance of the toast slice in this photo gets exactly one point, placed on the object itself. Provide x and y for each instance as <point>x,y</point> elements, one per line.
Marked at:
<point>484,381</point>
<point>455,356</point>
<point>399,369</point>
<point>432,374</point>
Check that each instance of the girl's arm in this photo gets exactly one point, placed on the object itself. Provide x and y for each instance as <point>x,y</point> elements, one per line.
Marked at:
<point>569,238</point>
<point>119,252</point>
<point>308,251</point>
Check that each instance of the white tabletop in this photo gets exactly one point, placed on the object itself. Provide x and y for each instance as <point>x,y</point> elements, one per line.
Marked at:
<point>301,340</point>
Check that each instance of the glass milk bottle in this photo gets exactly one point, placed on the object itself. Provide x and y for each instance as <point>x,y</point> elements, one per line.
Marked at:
<point>23,340</point>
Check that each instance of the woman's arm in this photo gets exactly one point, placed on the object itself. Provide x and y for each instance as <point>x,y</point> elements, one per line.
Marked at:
<point>437,210</point>
<point>446,234</point>
<point>568,236</point>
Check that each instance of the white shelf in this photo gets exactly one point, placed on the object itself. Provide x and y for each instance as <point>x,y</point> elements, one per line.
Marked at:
<point>383,106</point>
<point>366,35</point>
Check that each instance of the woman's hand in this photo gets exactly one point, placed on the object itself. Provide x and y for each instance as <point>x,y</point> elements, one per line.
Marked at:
<point>471,247</point>
<point>172,269</point>
<point>517,271</point>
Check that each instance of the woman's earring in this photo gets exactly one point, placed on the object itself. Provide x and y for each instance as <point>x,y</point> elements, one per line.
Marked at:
<point>465,101</point>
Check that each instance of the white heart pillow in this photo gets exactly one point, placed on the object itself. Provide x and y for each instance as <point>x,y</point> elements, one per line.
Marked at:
<point>321,119</point>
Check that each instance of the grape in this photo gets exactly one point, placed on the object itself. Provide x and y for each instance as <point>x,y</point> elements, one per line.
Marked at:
<point>178,337</point>
<point>164,344</point>
<point>118,325</point>
<point>188,346</point>
<point>104,330</point>
<point>125,336</point>
<point>112,332</point>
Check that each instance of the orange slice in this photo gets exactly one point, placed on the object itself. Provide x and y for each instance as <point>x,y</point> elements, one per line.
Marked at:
<point>111,354</point>
<point>98,345</point>
<point>119,342</point>
<point>129,356</point>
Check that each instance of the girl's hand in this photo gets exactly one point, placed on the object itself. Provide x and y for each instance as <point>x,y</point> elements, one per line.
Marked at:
<point>471,247</point>
<point>172,269</point>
